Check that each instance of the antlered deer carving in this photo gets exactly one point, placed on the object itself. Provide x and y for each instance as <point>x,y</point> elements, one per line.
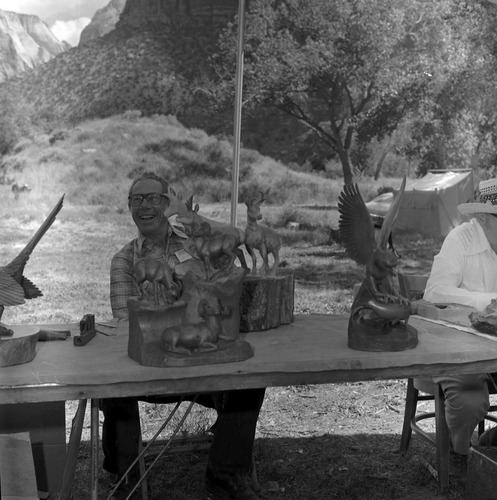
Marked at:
<point>261,238</point>
<point>207,239</point>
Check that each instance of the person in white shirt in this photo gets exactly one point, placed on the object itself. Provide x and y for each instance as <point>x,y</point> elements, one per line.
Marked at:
<point>465,272</point>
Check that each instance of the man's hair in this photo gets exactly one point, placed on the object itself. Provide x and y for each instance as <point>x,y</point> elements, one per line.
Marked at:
<point>149,175</point>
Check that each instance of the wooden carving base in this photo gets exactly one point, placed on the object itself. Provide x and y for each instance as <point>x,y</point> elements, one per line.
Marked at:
<point>266,302</point>
<point>227,352</point>
<point>227,289</point>
<point>399,337</point>
<point>20,348</point>
<point>202,328</point>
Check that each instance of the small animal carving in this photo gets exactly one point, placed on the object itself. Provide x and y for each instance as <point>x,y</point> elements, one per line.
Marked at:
<point>209,248</point>
<point>14,286</point>
<point>213,317</point>
<point>378,306</point>
<point>261,238</point>
<point>198,337</point>
<point>160,275</point>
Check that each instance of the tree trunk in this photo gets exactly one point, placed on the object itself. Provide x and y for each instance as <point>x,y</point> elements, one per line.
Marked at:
<point>348,177</point>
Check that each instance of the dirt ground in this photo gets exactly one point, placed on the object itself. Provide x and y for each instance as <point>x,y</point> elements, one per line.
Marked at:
<point>316,442</point>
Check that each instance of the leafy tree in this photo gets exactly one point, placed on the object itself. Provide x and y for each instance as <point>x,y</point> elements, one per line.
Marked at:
<point>15,122</point>
<point>331,64</point>
<point>452,124</point>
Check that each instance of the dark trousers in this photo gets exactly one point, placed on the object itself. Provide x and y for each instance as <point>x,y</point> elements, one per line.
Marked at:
<point>234,432</point>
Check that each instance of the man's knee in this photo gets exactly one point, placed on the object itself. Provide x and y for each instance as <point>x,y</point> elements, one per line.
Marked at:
<point>124,408</point>
<point>467,404</point>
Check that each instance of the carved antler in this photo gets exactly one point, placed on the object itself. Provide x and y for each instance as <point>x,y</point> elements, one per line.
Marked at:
<point>176,205</point>
<point>189,203</point>
<point>255,198</point>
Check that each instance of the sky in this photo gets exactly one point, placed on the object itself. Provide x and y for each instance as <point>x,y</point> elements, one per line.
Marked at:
<point>66,18</point>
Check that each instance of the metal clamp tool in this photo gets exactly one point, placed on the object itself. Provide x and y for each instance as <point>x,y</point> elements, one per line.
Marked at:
<point>87,330</point>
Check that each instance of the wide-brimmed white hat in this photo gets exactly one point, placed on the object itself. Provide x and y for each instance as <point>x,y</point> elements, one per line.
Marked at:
<point>486,200</point>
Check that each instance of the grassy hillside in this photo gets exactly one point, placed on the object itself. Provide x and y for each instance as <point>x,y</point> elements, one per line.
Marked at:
<point>94,162</point>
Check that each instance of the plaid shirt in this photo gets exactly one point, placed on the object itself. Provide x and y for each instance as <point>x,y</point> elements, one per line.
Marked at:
<point>122,285</point>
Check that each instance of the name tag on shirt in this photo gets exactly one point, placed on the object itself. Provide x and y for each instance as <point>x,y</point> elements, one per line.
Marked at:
<point>183,255</point>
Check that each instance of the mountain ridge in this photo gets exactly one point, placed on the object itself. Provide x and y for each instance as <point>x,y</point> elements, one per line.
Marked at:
<point>25,42</point>
<point>146,63</point>
<point>151,63</point>
<point>103,21</point>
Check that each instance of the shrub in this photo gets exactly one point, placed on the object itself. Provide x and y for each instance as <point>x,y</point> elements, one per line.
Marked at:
<point>131,114</point>
<point>283,217</point>
<point>15,122</point>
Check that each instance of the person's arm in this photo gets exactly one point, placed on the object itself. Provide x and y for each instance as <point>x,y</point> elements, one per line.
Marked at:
<point>122,285</point>
<point>447,276</point>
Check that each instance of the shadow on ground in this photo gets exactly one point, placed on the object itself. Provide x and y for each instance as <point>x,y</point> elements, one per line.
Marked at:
<point>348,467</point>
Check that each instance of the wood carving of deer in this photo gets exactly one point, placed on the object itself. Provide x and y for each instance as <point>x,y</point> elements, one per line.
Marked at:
<point>261,238</point>
<point>186,212</point>
<point>217,251</point>
<point>224,237</point>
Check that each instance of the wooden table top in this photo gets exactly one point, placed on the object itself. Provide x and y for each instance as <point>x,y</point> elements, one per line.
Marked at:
<point>311,350</point>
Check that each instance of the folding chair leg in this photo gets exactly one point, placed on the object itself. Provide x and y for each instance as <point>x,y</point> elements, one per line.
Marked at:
<point>409,413</point>
<point>443,441</point>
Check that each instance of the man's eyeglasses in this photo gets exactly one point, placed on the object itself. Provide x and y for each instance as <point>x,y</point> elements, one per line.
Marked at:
<point>152,198</point>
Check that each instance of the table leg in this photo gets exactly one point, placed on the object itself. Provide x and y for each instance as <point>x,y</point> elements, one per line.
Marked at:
<point>72,451</point>
<point>94,443</point>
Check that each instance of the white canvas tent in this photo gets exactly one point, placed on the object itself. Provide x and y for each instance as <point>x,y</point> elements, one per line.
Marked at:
<point>429,204</point>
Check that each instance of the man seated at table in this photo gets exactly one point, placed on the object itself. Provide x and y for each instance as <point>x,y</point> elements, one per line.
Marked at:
<point>230,455</point>
<point>465,272</point>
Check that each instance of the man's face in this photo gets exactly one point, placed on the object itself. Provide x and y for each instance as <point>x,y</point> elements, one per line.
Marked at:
<point>149,218</point>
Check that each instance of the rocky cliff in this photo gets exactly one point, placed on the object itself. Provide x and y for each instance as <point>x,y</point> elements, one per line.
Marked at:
<point>103,21</point>
<point>147,63</point>
<point>25,42</point>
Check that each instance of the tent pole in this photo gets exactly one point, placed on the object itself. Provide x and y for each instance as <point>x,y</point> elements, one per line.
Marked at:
<point>238,111</point>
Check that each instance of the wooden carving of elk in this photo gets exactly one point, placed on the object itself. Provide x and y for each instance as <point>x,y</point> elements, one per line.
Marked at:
<point>261,238</point>
<point>214,247</point>
<point>186,212</point>
<point>188,216</point>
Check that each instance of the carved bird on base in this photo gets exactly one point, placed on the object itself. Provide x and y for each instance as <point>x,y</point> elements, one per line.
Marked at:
<point>357,234</point>
<point>15,288</point>
<point>378,306</point>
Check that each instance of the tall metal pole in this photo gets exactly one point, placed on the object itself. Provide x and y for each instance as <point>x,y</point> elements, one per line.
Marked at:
<point>238,111</point>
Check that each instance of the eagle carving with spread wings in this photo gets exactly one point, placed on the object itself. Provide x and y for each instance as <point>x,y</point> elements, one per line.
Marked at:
<point>378,306</point>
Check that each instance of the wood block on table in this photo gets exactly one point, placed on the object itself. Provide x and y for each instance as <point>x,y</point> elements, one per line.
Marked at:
<point>266,302</point>
<point>21,347</point>
<point>453,313</point>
